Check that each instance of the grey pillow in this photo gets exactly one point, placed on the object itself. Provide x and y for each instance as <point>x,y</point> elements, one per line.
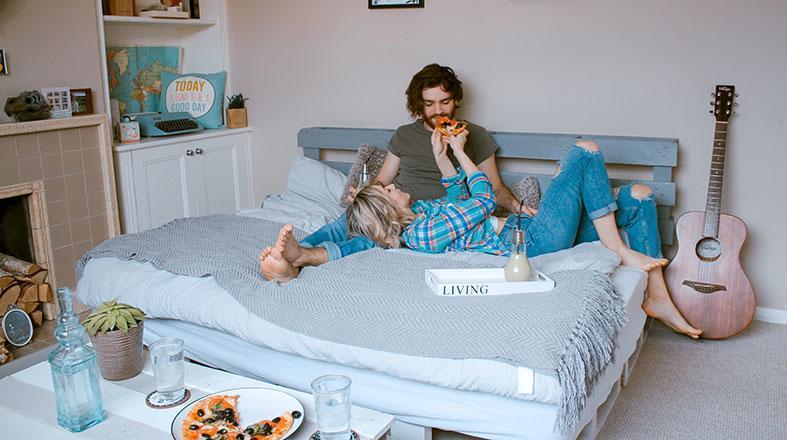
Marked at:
<point>373,157</point>
<point>527,190</point>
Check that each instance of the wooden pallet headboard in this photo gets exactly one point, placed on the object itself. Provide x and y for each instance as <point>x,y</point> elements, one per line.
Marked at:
<point>658,154</point>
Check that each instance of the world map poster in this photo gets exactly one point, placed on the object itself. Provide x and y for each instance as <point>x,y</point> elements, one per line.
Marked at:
<point>135,75</point>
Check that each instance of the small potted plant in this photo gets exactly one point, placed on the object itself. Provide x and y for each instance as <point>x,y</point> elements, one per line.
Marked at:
<point>115,330</point>
<point>236,111</point>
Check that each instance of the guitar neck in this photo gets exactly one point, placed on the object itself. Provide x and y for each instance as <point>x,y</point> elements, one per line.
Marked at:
<point>716,180</point>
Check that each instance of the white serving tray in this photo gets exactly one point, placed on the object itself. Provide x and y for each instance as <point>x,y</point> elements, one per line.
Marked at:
<point>483,282</point>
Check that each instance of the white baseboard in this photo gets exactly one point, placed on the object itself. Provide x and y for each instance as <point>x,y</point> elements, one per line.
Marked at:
<point>776,316</point>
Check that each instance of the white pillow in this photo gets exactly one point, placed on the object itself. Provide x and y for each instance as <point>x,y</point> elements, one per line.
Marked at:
<point>316,181</point>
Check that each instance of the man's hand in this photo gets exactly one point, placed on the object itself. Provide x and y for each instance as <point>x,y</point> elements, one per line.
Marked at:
<point>513,205</point>
<point>439,146</point>
<point>440,151</point>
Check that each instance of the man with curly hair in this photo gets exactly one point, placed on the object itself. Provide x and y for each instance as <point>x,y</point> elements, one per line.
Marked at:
<point>435,92</point>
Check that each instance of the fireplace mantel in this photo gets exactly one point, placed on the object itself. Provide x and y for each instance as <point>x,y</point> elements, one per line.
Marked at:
<point>71,159</point>
<point>16,128</point>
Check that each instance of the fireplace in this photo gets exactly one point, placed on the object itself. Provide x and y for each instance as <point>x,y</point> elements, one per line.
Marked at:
<point>16,237</point>
<point>57,192</point>
<point>23,220</point>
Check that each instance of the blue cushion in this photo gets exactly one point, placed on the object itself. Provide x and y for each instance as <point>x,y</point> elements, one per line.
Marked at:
<point>200,94</point>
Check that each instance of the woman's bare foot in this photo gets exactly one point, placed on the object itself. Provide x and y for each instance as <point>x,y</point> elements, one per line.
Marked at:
<point>659,305</point>
<point>274,267</point>
<point>632,258</point>
<point>289,246</point>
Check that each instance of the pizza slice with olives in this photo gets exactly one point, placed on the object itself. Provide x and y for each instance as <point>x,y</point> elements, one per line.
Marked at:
<point>450,127</point>
<point>213,432</point>
<point>272,429</point>
<point>210,416</point>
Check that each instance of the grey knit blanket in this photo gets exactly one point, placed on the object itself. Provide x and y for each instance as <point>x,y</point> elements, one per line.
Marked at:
<point>379,300</point>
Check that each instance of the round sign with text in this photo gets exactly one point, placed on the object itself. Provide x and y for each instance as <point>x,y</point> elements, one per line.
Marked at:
<point>190,94</point>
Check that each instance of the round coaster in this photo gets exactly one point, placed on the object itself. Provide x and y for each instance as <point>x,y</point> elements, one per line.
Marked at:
<point>316,436</point>
<point>184,399</point>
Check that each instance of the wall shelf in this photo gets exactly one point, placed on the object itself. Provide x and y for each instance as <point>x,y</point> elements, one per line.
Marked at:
<point>186,22</point>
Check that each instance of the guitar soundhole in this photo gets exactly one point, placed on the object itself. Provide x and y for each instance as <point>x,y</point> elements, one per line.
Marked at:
<point>708,249</point>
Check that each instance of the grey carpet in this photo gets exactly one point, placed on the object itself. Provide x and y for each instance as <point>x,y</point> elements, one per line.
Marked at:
<point>698,390</point>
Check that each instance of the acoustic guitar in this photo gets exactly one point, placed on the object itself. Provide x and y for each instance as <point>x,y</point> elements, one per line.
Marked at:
<point>706,280</point>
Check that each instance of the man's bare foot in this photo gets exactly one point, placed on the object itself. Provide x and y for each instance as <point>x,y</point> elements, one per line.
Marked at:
<point>289,246</point>
<point>632,258</point>
<point>666,312</point>
<point>658,304</point>
<point>274,267</point>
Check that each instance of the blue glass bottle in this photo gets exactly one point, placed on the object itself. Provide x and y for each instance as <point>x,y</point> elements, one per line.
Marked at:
<point>74,371</point>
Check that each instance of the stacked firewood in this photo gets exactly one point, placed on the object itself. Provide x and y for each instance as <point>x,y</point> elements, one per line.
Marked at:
<point>25,284</point>
<point>5,355</point>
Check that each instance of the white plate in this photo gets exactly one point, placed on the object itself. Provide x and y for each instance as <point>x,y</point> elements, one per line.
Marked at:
<point>254,404</point>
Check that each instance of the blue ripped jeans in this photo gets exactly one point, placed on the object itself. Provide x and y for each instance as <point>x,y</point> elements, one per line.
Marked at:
<point>335,239</point>
<point>579,194</point>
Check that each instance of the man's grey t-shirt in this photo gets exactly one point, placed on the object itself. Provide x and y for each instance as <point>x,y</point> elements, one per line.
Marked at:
<point>418,172</point>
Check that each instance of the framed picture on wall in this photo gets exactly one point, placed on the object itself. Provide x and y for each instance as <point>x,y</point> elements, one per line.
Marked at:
<point>81,102</point>
<point>380,4</point>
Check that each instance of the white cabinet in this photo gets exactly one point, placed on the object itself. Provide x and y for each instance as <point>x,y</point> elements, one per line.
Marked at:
<point>164,179</point>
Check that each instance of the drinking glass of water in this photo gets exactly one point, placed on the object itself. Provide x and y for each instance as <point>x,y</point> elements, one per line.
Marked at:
<point>332,405</point>
<point>169,371</point>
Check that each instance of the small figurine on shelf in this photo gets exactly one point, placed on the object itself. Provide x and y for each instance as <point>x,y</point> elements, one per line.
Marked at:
<point>28,106</point>
<point>236,111</point>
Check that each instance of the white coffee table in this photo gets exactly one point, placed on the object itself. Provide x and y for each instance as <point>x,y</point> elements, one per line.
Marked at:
<point>27,406</point>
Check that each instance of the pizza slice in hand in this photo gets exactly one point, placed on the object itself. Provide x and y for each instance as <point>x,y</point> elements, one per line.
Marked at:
<point>450,127</point>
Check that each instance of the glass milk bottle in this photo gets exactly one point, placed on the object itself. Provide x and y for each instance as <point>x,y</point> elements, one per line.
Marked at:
<point>74,371</point>
<point>518,266</point>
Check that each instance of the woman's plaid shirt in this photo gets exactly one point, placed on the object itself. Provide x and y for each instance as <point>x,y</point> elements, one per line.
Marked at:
<point>458,221</point>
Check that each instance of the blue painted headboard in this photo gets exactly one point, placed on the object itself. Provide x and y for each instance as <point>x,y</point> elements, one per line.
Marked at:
<point>658,154</point>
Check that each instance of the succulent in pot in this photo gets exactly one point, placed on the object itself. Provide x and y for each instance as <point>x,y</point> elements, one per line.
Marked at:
<point>115,330</point>
<point>236,111</point>
<point>236,101</point>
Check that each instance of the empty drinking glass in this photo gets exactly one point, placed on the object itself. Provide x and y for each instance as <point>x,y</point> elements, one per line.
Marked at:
<point>169,371</point>
<point>332,405</point>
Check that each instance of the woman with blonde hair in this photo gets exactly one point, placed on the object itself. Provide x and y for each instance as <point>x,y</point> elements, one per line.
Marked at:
<point>579,206</point>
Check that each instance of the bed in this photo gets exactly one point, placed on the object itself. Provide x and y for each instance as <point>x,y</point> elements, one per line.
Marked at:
<point>472,396</point>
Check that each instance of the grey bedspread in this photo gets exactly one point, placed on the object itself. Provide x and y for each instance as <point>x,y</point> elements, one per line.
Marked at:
<point>378,300</point>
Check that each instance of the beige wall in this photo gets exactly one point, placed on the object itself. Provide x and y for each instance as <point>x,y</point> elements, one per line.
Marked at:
<point>50,43</point>
<point>621,67</point>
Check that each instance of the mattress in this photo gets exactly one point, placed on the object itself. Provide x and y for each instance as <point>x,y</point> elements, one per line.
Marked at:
<point>200,300</point>
<point>473,413</point>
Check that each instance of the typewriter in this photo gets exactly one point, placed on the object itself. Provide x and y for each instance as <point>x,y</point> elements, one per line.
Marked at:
<point>164,124</point>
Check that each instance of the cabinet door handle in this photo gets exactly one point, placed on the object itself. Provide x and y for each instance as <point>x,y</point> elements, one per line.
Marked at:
<point>198,150</point>
<point>189,152</point>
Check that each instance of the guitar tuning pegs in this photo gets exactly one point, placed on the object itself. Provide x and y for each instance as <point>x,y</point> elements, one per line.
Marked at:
<point>735,105</point>
<point>710,111</point>
<point>737,94</point>
<point>712,94</point>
